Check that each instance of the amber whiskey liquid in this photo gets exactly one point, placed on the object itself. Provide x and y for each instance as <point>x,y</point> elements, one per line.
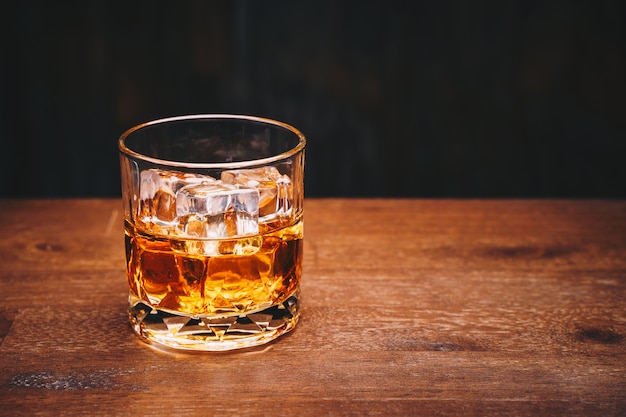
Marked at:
<point>219,294</point>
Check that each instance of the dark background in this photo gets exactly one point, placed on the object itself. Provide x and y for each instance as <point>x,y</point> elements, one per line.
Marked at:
<point>397,98</point>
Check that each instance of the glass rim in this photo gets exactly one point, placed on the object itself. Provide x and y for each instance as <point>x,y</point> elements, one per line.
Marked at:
<point>204,165</point>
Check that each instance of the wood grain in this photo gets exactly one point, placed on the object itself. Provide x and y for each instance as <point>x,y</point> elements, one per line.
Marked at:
<point>435,307</point>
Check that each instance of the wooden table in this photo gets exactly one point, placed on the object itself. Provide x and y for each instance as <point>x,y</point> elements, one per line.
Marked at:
<point>434,307</point>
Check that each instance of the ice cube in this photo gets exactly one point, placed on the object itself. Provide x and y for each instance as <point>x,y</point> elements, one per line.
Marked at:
<point>158,196</point>
<point>217,219</point>
<point>216,210</point>
<point>275,190</point>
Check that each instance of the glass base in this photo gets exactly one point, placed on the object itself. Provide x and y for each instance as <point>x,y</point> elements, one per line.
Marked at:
<point>209,333</point>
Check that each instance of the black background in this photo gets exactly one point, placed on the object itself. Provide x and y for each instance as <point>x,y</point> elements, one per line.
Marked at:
<point>396,98</point>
